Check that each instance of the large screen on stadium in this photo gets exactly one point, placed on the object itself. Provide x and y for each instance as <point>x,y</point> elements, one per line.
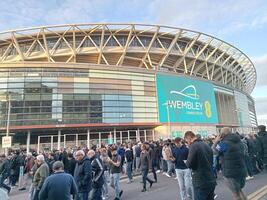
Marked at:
<point>185,100</point>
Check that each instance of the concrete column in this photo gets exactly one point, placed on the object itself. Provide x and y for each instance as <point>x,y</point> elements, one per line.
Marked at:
<point>115,139</point>
<point>64,144</point>
<point>38,145</point>
<point>136,136</point>
<point>76,142</point>
<point>145,134</point>
<point>121,137</point>
<point>58,139</point>
<point>28,141</point>
<point>128,135</point>
<point>99,141</point>
<point>51,142</point>
<point>153,134</point>
<point>88,138</point>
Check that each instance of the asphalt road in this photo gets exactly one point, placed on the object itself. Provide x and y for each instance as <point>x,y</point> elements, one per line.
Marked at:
<point>166,189</point>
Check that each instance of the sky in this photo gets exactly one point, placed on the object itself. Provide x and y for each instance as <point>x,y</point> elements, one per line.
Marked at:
<point>243,23</point>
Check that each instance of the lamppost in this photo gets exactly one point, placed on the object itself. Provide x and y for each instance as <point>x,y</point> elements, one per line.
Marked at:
<point>7,100</point>
<point>167,104</point>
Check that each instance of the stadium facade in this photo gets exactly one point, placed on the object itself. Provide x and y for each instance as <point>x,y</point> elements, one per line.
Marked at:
<point>77,84</point>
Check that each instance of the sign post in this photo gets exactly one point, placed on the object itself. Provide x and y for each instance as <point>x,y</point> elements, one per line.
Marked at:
<point>6,141</point>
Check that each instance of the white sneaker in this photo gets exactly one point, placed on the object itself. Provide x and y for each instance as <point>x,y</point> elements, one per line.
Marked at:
<point>215,196</point>
<point>249,178</point>
<point>168,175</point>
<point>176,178</point>
<point>158,171</point>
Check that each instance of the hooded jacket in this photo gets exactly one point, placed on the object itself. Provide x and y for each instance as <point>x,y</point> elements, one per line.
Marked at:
<point>232,156</point>
<point>83,175</point>
<point>262,142</point>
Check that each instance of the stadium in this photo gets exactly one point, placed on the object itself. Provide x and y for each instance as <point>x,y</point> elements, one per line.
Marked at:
<point>84,84</point>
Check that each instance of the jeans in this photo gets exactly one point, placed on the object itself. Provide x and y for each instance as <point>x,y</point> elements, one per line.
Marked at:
<point>170,167</point>
<point>95,193</point>
<point>145,178</point>
<point>154,172</point>
<point>3,185</point>
<point>185,183</point>
<point>137,162</point>
<point>115,183</point>
<point>249,166</point>
<point>35,193</point>
<point>129,170</point>
<point>164,165</point>
<point>82,196</point>
<point>206,193</point>
<point>106,182</point>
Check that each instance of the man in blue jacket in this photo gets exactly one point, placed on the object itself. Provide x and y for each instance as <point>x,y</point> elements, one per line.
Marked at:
<point>183,173</point>
<point>58,186</point>
<point>83,175</point>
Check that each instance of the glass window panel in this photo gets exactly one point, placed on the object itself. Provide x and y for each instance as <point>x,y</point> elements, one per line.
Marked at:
<point>81,91</point>
<point>32,79</point>
<point>110,109</point>
<point>29,97</point>
<point>125,97</point>
<point>81,97</point>
<point>15,85</point>
<point>81,85</point>
<point>49,85</point>
<point>110,103</point>
<point>68,96</point>
<point>46,97</point>
<point>3,85</point>
<point>49,79</point>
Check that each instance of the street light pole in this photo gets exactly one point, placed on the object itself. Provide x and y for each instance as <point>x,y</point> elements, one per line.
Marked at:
<point>168,118</point>
<point>8,115</point>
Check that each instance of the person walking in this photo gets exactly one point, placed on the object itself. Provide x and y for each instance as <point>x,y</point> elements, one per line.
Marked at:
<point>59,185</point>
<point>231,150</point>
<point>262,140</point>
<point>104,157</point>
<point>83,175</point>
<point>129,162</point>
<point>145,166</point>
<point>115,171</point>
<point>97,178</point>
<point>4,172</point>
<point>39,177</point>
<point>183,173</point>
<point>200,159</point>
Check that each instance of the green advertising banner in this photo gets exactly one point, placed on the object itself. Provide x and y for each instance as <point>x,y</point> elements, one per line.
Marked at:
<point>185,100</point>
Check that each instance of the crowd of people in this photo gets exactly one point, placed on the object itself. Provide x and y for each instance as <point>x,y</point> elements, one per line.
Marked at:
<point>84,173</point>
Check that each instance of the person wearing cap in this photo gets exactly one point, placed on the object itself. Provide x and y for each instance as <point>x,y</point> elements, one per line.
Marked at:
<point>262,143</point>
<point>59,185</point>
<point>39,177</point>
<point>183,173</point>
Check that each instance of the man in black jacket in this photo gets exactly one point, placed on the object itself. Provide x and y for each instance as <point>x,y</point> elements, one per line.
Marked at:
<point>83,175</point>
<point>262,140</point>
<point>97,176</point>
<point>4,172</point>
<point>200,160</point>
<point>231,150</point>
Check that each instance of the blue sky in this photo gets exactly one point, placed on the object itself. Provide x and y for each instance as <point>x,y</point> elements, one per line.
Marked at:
<point>242,23</point>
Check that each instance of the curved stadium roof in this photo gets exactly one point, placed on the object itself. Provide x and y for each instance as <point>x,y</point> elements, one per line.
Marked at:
<point>152,47</point>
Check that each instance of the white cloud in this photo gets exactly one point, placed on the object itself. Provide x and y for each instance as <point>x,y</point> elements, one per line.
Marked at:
<point>261,68</point>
